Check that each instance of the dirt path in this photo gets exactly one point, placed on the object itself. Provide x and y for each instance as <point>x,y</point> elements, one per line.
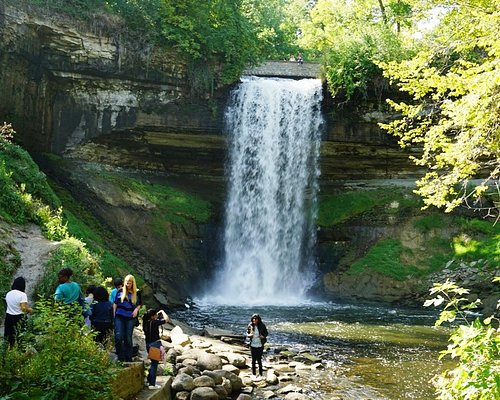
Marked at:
<point>34,250</point>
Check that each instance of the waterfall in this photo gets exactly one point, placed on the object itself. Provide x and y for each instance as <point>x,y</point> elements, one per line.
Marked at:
<point>274,137</point>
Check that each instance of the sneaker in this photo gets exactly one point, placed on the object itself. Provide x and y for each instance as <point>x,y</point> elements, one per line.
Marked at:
<point>154,387</point>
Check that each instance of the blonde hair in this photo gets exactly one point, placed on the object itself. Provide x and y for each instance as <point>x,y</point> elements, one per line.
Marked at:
<point>134,289</point>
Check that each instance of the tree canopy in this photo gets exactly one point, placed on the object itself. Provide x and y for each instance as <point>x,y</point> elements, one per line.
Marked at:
<point>454,114</point>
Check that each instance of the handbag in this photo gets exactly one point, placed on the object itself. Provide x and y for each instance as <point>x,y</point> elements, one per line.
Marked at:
<point>154,353</point>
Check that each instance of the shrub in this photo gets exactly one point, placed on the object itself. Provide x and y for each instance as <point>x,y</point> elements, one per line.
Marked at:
<point>71,253</point>
<point>475,344</point>
<point>57,359</point>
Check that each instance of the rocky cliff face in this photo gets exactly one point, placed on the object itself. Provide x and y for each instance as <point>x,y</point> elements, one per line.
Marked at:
<point>102,100</point>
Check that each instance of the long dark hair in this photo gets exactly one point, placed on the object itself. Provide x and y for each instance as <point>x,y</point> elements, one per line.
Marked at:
<point>101,294</point>
<point>146,318</point>
<point>19,284</point>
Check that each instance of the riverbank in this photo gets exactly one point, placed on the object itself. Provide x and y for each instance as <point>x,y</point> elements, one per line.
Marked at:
<point>217,365</point>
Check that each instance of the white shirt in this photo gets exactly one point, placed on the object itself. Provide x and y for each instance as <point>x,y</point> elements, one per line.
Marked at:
<point>14,298</point>
<point>255,341</point>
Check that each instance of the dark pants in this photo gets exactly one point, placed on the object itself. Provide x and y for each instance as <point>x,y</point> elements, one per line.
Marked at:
<point>257,358</point>
<point>124,328</point>
<point>103,330</point>
<point>154,364</point>
<point>13,325</point>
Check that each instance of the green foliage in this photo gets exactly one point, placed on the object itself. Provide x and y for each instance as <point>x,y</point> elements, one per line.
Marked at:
<point>171,205</point>
<point>430,222</point>
<point>352,39</point>
<point>455,110</point>
<point>24,192</point>
<point>215,32</point>
<point>57,359</point>
<point>71,253</point>
<point>10,261</point>
<point>478,240</point>
<point>475,344</point>
<point>337,209</point>
<point>84,226</point>
<point>386,257</point>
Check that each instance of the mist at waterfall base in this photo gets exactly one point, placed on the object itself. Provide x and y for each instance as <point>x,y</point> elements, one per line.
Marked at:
<point>273,127</point>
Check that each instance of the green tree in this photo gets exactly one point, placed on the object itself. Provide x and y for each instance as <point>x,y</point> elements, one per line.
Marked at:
<point>352,38</point>
<point>454,111</point>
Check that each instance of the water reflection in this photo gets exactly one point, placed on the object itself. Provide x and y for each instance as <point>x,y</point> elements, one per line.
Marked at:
<point>373,352</point>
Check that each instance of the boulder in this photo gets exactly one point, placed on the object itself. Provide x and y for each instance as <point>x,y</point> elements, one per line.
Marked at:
<point>182,396</point>
<point>183,382</point>
<point>271,378</point>
<point>231,368</point>
<point>203,381</point>
<point>237,360</point>
<point>208,361</point>
<point>221,391</point>
<point>296,396</point>
<point>204,393</point>
<point>244,396</point>
<point>179,337</point>
<point>190,370</point>
<point>215,377</point>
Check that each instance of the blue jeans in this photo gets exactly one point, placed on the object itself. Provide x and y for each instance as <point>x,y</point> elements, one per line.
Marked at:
<point>124,328</point>
<point>154,364</point>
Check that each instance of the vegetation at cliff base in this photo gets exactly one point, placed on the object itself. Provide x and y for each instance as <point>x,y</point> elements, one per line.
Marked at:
<point>56,359</point>
<point>168,203</point>
<point>55,356</point>
<point>336,209</point>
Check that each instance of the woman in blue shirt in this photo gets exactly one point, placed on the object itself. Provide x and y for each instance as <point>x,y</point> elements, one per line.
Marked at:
<point>126,310</point>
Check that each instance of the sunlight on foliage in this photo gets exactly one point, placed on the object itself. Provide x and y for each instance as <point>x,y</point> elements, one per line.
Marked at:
<point>475,344</point>
<point>454,81</point>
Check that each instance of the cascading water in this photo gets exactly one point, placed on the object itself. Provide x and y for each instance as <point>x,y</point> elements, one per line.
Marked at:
<point>274,130</point>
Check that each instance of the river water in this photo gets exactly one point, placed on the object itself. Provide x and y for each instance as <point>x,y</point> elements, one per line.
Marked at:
<point>370,351</point>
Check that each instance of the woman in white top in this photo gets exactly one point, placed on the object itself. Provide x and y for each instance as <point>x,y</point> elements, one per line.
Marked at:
<point>257,333</point>
<point>17,307</point>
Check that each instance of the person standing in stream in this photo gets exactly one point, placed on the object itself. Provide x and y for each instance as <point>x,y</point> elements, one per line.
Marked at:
<point>257,333</point>
<point>126,311</point>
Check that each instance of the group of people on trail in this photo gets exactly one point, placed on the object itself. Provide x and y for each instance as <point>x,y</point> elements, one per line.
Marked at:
<point>119,311</point>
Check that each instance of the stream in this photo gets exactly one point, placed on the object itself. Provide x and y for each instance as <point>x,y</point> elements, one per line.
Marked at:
<point>369,351</point>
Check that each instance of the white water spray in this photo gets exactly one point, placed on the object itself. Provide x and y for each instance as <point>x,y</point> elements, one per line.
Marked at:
<point>274,131</point>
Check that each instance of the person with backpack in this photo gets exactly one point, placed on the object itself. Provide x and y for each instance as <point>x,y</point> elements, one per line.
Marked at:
<point>151,321</point>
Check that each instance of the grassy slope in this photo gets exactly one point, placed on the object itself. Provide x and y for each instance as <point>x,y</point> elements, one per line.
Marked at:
<point>471,239</point>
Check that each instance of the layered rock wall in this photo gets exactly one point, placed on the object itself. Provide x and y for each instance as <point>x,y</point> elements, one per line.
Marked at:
<point>88,92</point>
<point>63,86</point>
